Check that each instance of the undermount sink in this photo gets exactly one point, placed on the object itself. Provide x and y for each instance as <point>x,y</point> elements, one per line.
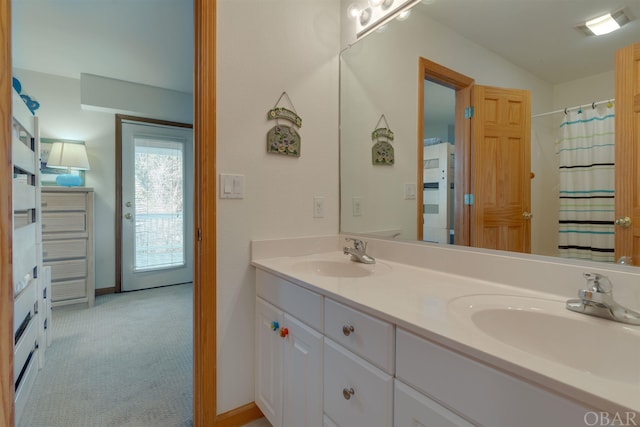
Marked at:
<point>544,328</point>
<point>341,268</point>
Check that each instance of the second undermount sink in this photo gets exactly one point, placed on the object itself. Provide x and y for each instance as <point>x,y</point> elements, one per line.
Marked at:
<point>341,268</point>
<point>544,328</point>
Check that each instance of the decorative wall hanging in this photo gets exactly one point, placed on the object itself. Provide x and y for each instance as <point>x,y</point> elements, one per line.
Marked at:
<point>382,150</point>
<point>283,139</point>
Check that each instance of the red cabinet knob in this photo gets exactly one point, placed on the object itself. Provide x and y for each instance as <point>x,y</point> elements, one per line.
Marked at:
<point>284,332</point>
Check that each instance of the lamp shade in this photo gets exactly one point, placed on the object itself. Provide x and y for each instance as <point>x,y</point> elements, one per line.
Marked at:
<point>67,155</point>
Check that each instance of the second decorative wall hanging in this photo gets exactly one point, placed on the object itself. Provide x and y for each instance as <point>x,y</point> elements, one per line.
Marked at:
<point>283,139</point>
<point>382,150</point>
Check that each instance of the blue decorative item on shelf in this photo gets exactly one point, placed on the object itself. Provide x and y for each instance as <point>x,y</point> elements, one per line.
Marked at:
<point>17,85</point>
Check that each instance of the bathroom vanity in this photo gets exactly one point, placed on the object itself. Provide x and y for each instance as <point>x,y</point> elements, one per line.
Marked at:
<point>345,344</point>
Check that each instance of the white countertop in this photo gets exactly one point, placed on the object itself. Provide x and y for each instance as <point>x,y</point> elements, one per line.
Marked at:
<point>419,300</point>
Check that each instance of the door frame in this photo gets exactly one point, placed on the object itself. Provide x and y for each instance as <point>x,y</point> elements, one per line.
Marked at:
<point>119,119</point>
<point>434,72</point>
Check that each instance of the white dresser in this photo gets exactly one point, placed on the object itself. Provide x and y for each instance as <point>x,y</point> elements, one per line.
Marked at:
<point>68,246</point>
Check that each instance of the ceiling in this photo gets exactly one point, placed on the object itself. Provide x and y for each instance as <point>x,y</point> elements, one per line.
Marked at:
<point>540,35</point>
<point>141,41</point>
<point>151,41</point>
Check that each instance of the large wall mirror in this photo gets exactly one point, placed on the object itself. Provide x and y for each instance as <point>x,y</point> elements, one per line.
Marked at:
<point>535,48</point>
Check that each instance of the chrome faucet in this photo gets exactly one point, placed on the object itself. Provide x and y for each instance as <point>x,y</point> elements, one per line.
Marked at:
<point>358,252</point>
<point>597,300</point>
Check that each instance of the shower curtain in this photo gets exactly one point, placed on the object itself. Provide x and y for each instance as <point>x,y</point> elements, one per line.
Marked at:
<point>586,157</point>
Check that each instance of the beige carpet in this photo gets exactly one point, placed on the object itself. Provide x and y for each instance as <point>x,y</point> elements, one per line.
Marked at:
<point>125,362</point>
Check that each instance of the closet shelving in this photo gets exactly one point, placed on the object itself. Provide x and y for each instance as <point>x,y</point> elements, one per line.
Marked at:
<point>32,313</point>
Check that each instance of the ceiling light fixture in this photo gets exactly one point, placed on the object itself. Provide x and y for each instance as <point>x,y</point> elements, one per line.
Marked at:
<point>404,15</point>
<point>605,24</point>
<point>353,11</point>
<point>382,17</point>
<point>375,3</point>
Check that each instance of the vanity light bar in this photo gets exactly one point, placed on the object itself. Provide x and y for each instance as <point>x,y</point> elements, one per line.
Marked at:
<point>387,17</point>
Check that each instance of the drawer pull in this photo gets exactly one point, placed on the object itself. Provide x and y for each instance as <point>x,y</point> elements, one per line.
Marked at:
<point>275,326</point>
<point>347,330</point>
<point>348,392</point>
<point>284,332</point>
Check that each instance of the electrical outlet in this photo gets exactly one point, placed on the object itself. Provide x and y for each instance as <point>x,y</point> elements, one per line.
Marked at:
<point>409,191</point>
<point>357,206</point>
<point>318,207</point>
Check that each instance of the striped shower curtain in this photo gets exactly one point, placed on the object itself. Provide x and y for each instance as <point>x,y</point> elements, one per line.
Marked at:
<point>586,157</point>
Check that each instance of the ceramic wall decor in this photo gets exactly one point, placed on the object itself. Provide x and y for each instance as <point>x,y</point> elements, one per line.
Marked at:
<point>284,139</point>
<point>382,150</point>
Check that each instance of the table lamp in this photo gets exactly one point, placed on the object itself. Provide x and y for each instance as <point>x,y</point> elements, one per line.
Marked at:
<point>68,155</point>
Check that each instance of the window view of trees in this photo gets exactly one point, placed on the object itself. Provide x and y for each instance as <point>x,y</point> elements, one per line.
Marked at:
<point>159,197</point>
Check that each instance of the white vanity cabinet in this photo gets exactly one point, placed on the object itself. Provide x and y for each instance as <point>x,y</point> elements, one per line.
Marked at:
<point>289,366</point>
<point>333,364</point>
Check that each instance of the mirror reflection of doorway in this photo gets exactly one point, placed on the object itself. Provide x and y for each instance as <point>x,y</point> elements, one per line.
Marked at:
<point>438,163</point>
<point>491,163</point>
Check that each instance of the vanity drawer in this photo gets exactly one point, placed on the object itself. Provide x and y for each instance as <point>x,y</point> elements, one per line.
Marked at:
<point>62,249</point>
<point>365,335</point>
<point>479,392</point>
<point>295,300</point>
<point>68,290</point>
<point>63,202</point>
<point>371,403</point>
<point>415,409</point>
<point>55,222</point>
<point>63,270</point>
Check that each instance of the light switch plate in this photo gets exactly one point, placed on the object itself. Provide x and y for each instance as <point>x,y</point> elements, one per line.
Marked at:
<point>231,186</point>
<point>318,207</point>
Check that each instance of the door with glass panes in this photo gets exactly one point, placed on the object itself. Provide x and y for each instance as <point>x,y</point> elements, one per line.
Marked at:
<point>157,205</point>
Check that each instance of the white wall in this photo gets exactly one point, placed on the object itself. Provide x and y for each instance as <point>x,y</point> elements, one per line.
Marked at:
<point>266,47</point>
<point>61,116</point>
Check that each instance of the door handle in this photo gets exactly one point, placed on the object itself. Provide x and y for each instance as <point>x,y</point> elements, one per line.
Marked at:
<point>527,215</point>
<point>128,216</point>
<point>624,221</point>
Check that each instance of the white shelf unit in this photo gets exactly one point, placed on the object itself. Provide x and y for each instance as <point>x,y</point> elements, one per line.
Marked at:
<point>438,177</point>
<point>32,323</point>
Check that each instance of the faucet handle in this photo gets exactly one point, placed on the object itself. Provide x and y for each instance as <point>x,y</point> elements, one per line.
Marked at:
<point>357,243</point>
<point>598,283</point>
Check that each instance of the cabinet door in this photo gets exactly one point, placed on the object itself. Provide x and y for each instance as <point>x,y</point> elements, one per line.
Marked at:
<point>413,409</point>
<point>302,375</point>
<point>269,357</point>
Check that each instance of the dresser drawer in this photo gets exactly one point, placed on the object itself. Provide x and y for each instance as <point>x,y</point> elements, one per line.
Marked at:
<point>63,249</point>
<point>371,400</point>
<point>53,222</point>
<point>63,202</point>
<point>295,300</point>
<point>64,270</point>
<point>71,289</point>
<point>365,335</point>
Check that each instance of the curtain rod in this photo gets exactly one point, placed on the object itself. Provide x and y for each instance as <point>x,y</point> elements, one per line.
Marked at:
<point>577,107</point>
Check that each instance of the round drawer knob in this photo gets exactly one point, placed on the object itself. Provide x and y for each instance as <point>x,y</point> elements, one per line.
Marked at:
<point>284,332</point>
<point>348,392</point>
<point>347,330</point>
